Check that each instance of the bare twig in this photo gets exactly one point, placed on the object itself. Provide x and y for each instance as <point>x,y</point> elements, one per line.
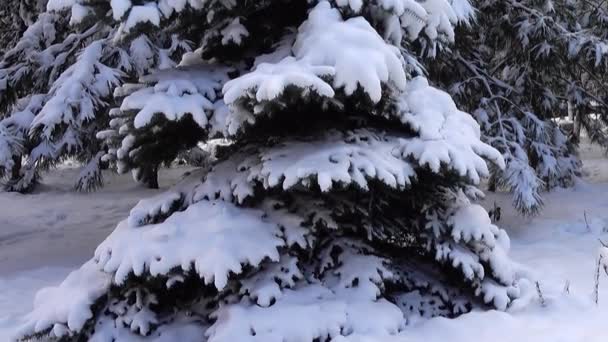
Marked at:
<point>596,289</point>
<point>540,294</point>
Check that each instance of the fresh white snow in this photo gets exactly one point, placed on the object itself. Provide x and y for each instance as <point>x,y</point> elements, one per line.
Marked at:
<point>219,249</point>
<point>44,236</point>
<point>56,226</point>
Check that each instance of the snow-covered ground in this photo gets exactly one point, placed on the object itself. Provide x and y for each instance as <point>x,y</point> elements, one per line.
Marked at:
<point>45,235</point>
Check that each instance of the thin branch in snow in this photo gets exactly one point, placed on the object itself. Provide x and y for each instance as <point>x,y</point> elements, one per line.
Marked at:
<point>541,298</point>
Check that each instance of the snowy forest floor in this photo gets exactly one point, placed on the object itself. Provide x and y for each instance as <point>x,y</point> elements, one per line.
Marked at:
<point>45,235</point>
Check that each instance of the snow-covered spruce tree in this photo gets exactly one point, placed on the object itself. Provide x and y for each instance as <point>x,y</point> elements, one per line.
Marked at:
<point>160,117</point>
<point>58,72</point>
<point>15,17</point>
<point>13,136</point>
<point>341,208</point>
<point>520,64</point>
<point>11,25</point>
<point>152,51</point>
<point>69,61</point>
<point>163,114</point>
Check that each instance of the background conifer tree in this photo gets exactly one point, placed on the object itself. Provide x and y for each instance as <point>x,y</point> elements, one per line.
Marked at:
<point>516,67</point>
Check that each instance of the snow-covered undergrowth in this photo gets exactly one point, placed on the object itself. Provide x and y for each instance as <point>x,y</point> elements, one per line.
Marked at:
<point>559,248</point>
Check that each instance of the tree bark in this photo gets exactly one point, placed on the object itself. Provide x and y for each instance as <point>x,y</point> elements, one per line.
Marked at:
<point>574,134</point>
<point>149,177</point>
<point>16,170</point>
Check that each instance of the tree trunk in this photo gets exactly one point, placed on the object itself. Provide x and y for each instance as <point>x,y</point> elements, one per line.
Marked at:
<point>576,128</point>
<point>16,170</point>
<point>149,177</point>
<point>570,111</point>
